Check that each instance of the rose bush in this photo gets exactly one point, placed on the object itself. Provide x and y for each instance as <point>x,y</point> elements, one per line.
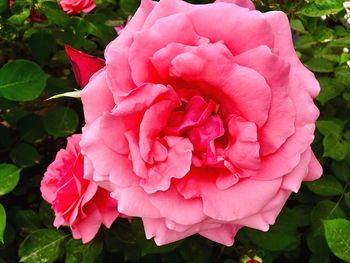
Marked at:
<point>202,119</point>
<point>77,203</point>
<point>77,6</point>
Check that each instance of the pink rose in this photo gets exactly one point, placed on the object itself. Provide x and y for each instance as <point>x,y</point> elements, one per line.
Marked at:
<point>202,119</point>
<point>77,6</point>
<point>77,203</point>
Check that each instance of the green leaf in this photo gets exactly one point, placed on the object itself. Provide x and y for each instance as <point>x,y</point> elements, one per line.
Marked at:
<point>282,236</point>
<point>54,14</point>
<point>83,253</point>
<point>330,89</point>
<point>25,155</point>
<point>2,223</point>
<point>129,6</point>
<point>46,214</point>
<point>337,232</point>
<point>335,147</point>
<point>27,220</point>
<point>99,30</point>
<point>319,8</point>
<point>31,128</point>
<point>297,25</point>
<point>197,250</point>
<point>326,186</point>
<point>342,74</point>
<point>341,170</point>
<point>340,42</point>
<point>324,210</point>
<point>305,41</point>
<point>22,80</point>
<point>18,19</point>
<point>347,199</point>
<point>41,45</point>
<point>330,126</point>
<point>317,258</point>
<point>9,177</point>
<point>7,139</point>
<point>61,122</point>
<point>42,246</point>
<point>4,5</point>
<point>319,65</point>
<point>317,243</point>
<point>346,96</point>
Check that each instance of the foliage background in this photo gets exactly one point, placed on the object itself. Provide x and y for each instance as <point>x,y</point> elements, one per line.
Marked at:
<point>313,227</point>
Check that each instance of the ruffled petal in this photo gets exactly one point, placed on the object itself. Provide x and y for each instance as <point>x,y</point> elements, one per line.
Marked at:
<point>96,97</point>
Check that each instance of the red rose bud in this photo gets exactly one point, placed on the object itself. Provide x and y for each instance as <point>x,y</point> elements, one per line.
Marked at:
<point>84,65</point>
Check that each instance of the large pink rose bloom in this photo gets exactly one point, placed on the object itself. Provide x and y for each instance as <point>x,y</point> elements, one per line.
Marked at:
<point>77,6</point>
<point>77,203</point>
<point>202,119</point>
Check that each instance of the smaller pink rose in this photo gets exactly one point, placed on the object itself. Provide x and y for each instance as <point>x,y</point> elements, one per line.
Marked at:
<point>77,202</point>
<point>77,6</point>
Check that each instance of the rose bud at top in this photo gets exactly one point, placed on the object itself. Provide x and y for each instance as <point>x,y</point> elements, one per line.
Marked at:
<point>77,202</point>
<point>76,6</point>
<point>202,119</point>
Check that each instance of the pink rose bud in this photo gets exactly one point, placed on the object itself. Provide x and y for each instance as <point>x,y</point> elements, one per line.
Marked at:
<point>202,119</point>
<point>76,6</point>
<point>77,202</point>
<point>84,65</point>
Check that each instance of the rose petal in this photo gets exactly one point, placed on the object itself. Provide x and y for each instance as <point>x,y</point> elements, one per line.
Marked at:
<point>96,98</point>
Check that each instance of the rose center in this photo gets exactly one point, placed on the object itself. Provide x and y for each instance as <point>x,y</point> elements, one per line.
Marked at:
<point>201,123</point>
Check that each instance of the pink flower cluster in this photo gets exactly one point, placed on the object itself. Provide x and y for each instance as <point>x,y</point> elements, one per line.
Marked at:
<point>200,121</point>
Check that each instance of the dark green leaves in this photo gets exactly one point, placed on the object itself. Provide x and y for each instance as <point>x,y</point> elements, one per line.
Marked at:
<point>83,253</point>
<point>61,122</point>
<point>319,8</point>
<point>2,223</point>
<point>41,45</point>
<point>319,65</point>
<point>25,155</point>
<point>19,18</point>
<point>22,80</point>
<point>326,186</point>
<point>129,6</point>
<point>42,246</point>
<point>282,236</point>
<point>337,233</point>
<point>54,14</point>
<point>336,144</point>
<point>9,177</point>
